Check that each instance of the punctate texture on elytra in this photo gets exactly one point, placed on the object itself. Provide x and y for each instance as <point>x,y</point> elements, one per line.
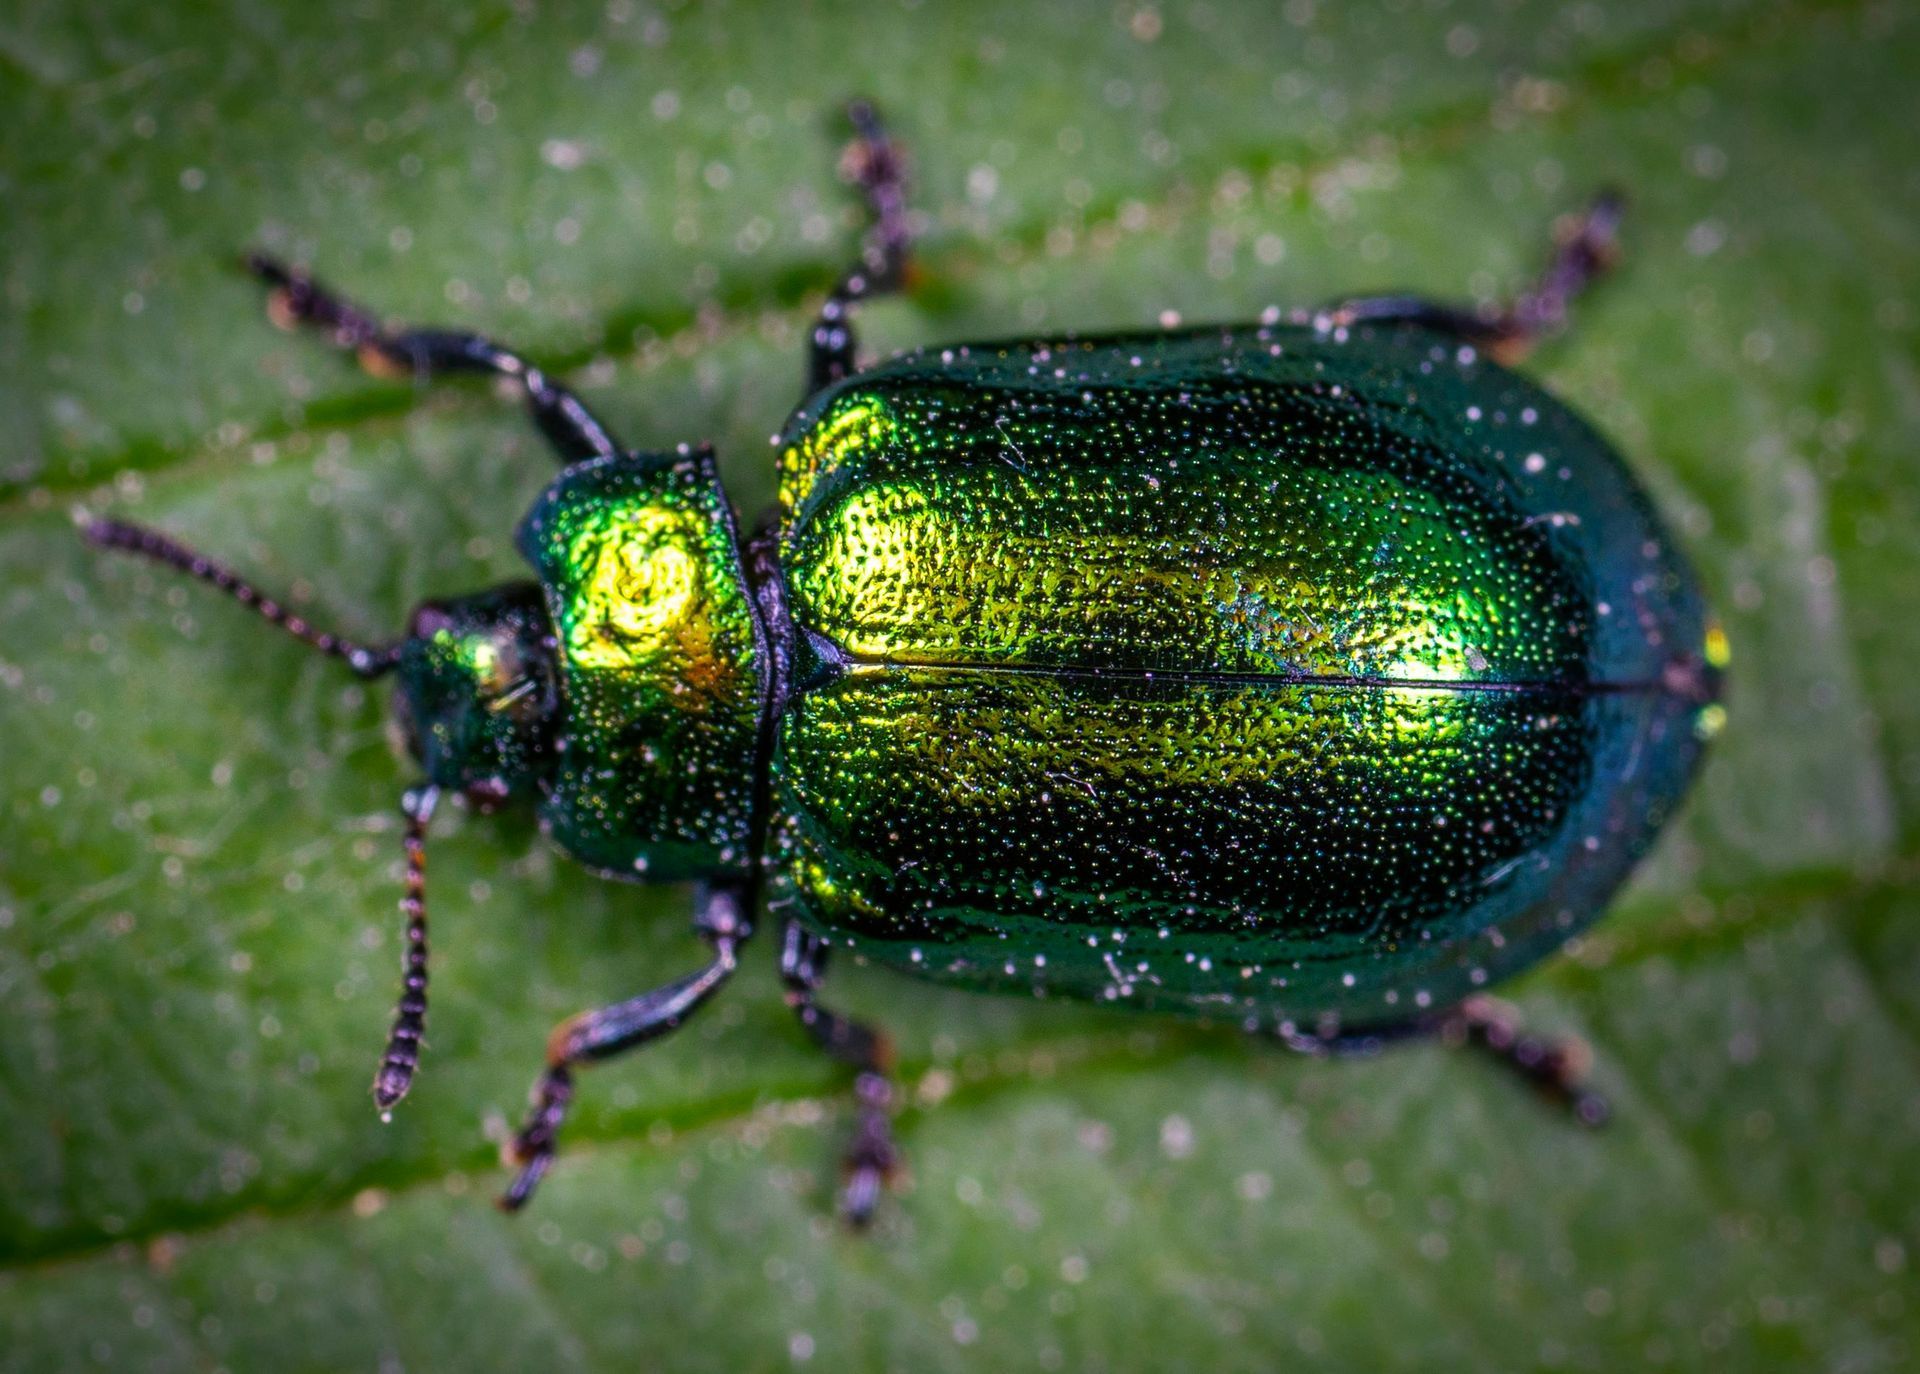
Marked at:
<point>1264,672</point>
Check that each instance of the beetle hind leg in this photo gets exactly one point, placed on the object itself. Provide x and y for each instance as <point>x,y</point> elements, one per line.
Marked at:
<point>871,1158</point>
<point>722,921</point>
<point>1555,1069</point>
<point>1585,247</point>
<point>873,162</point>
<point>296,299</point>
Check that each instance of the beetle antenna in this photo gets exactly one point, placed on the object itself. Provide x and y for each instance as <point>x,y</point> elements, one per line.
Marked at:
<point>369,661</point>
<point>390,1084</point>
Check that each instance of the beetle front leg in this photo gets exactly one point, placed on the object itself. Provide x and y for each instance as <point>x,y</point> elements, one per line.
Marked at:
<point>874,163</point>
<point>1585,247</point>
<point>426,354</point>
<point>722,920</point>
<point>871,1158</point>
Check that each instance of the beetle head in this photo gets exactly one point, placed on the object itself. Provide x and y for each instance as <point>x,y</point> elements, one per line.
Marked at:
<point>478,695</point>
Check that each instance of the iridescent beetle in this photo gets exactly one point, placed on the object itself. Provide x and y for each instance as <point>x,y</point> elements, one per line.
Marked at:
<point>1309,674</point>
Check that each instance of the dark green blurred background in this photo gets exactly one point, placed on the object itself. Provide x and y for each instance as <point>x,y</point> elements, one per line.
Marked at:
<point>198,857</point>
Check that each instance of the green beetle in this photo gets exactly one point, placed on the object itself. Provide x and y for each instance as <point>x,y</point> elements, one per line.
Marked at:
<point>1310,674</point>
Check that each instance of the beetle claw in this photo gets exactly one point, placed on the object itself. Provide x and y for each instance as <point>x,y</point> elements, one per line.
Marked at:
<point>532,1148</point>
<point>1590,1109</point>
<point>867,1178</point>
<point>534,1168</point>
<point>860,1197</point>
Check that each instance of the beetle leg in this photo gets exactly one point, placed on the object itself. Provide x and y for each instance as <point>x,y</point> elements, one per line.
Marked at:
<point>722,920</point>
<point>1585,247</point>
<point>873,161</point>
<point>871,1158</point>
<point>424,354</point>
<point>1557,1069</point>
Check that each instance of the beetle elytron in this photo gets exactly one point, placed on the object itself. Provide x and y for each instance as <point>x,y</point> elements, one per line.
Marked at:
<point>1309,674</point>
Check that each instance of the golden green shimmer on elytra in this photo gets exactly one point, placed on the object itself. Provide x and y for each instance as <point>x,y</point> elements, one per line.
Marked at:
<point>1254,671</point>
<point>998,543</point>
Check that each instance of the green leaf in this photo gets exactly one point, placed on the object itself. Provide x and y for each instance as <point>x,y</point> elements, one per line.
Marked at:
<point>199,859</point>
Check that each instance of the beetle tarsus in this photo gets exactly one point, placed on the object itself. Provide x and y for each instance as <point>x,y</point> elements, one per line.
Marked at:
<point>525,1182</point>
<point>874,162</point>
<point>1586,246</point>
<point>1556,1069</point>
<point>295,299</point>
<point>532,1147</point>
<point>872,1160</point>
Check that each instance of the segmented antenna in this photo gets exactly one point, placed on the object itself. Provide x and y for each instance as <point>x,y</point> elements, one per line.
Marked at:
<point>368,661</point>
<point>390,1084</point>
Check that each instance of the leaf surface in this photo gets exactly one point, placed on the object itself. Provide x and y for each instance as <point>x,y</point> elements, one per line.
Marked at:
<point>199,861</point>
